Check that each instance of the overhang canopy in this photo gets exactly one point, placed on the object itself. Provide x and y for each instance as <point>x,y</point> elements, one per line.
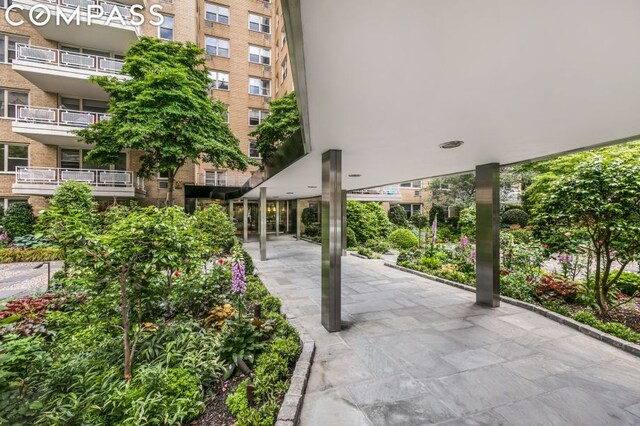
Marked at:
<point>387,82</point>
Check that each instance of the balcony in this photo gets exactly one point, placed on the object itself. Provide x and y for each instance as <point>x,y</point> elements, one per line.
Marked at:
<point>97,33</point>
<point>61,71</point>
<point>381,194</point>
<point>104,183</point>
<point>53,126</point>
<point>222,179</point>
<point>217,185</point>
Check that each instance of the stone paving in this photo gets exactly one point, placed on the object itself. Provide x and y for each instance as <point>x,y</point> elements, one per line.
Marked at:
<point>20,279</point>
<point>415,352</point>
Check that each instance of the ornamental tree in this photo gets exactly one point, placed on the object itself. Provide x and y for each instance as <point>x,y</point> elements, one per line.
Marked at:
<point>599,202</point>
<point>398,215</point>
<point>163,110</point>
<point>283,121</point>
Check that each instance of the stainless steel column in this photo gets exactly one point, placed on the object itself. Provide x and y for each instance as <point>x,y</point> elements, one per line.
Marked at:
<point>331,239</point>
<point>298,219</point>
<point>263,224</point>
<point>344,222</point>
<point>245,220</point>
<point>277,218</point>
<point>287,206</point>
<point>488,235</point>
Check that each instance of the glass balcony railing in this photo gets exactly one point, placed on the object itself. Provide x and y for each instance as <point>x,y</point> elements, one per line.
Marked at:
<point>67,59</point>
<point>58,117</point>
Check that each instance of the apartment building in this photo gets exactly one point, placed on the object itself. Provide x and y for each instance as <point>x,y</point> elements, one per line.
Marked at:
<point>45,93</point>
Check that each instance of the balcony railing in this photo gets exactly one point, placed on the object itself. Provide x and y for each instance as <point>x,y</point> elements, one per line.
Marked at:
<point>58,117</point>
<point>391,190</point>
<point>93,177</point>
<point>67,59</point>
<point>222,179</point>
<point>107,6</point>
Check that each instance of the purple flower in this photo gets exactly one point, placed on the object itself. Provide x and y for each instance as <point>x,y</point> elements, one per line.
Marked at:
<point>472,256</point>
<point>564,259</point>
<point>464,242</point>
<point>238,283</point>
<point>434,230</point>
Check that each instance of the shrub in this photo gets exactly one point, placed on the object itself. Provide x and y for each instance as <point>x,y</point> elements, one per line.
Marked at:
<point>18,220</point>
<point>351,238</point>
<point>629,283</point>
<point>398,215</point>
<point>409,256</point>
<point>216,231</point>
<point>467,222</point>
<point>367,220</point>
<point>553,288</point>
<point>312,230</point>
<point>73,197</point>
<point>515,217</point>
<point>403,239</point>
<point>378,246</point>
<point>367,252</point>
<point>196,293</point>
<point>613,328</point>
<point>517,286</point>
<point>271,304</point>
<point>255,291</point>
<point>308,217</point>
<point>31,241</point>
<point>44,254</point>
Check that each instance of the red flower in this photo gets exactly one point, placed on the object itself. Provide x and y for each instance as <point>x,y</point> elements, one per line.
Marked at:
<point>220,261</point>
<point>177,272</point>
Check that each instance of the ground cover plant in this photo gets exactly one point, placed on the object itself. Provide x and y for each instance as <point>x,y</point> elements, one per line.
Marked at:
<point>153,321</point>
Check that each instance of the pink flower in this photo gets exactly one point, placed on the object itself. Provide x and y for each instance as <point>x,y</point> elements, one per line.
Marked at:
<point>464,242</point>
<point>567,234</point>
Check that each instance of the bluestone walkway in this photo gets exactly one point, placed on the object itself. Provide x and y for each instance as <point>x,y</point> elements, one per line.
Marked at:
<point>418,352</point>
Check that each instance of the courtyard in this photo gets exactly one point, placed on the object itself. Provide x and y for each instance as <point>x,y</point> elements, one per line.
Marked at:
<point>414,351</point>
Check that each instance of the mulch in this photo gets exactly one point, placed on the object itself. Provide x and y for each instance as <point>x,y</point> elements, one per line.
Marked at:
<point>216,413</point>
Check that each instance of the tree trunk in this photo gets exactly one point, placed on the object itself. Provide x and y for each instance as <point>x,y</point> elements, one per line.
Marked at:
<point>170,193</point>
<point>600,287</point>
<point>126,327</point>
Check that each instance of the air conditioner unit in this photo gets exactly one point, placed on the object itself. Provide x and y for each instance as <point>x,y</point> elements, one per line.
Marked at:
<point>267,68</point>
<point>267,37</point>
<point>266,4</point>
<point>208,24</point>
<point>210,57</point>
<point>267,99</point>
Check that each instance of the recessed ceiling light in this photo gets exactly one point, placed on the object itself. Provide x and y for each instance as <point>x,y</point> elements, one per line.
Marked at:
<point>451,144</point>
<point>312,186</point>
<point>290,193</point>
<point>355,175</point>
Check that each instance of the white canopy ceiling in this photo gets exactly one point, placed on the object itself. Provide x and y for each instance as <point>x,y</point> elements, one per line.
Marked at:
<point>387,82</point>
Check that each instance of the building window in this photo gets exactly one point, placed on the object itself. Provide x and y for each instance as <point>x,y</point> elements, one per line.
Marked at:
<point>284,68</point>
<point>411,209</point>
<point>259,86</point>
<point>71,158</point>
<point>259,55</point>
<point>163,180</point>
<point>12,156</point>
<point>217,46</point>
<point>256,116</point>
<point>260,23</point>
<point>85,105</point>
<point>253,150</point>
<point>412,184</point>
<point>165,30</point>
<point>8,48</point>
<point>5,3</point>
<point>215,178</point>
<point>216,13</point>
<point>220,80</point>
<point>11,101</point>
<point>5,203</point>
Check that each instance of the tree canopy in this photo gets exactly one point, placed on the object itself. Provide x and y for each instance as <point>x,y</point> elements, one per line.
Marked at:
<point>165,111</point>
<point>283,121</point>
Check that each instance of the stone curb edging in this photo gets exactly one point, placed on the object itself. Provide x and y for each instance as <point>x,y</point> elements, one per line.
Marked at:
<point>310,241</point>
<point>289,414</point>
<point>629,347</point>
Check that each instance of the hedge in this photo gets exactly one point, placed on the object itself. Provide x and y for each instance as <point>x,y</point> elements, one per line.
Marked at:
<point>43,254</point>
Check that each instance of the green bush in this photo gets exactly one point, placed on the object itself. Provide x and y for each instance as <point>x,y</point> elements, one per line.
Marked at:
<point>516,285</point>
<point>467,222</point>
<point>18,220</point>
<point>217,232</point>
<point>73,197</point>
<point>308,217</point>
<point>629,283</point>
<point>44,254</point>
<point>398,215</point>
<point>271,304</point>
<point>367,220</point>
<point>378,246</point>
<point>352,241</point>
<point>246,257</point>
<point>368,253</point>
<point>255,291</point>
<point>403,239</point>
<point>515,217</point>
<point>312,230</point>
<point>31,241</point>
<point>613,328</point>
